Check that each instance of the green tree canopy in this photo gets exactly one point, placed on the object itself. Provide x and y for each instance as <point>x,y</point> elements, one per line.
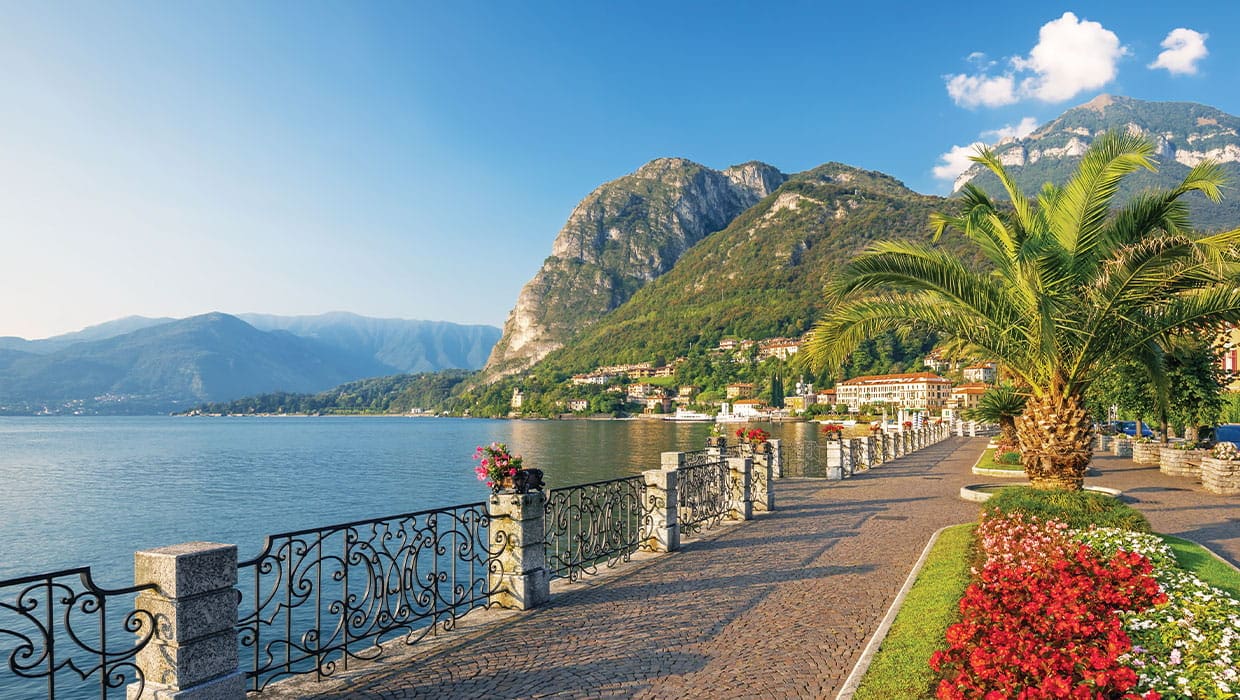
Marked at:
<point>1075,282</point>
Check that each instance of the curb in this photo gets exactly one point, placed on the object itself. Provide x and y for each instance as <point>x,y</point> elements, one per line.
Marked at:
<point>871,648</point>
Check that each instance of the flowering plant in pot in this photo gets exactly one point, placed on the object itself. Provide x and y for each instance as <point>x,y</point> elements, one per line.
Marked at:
<point>500,469</point>
<point>908,425</point>
<point>833,431</point>
<point>1225,451</point>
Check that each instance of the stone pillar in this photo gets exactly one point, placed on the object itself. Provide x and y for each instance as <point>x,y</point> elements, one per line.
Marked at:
<point>777,458</point>
<point>846,457</point>
<point>740,499</point>
<point>835,460</point>
<point>519,580</point>
<point>889,448</point>
<point>972,428</point>
<point>715,447</point>
<point>661,529</point>
<point>193,653</point>
<point>676,460</point>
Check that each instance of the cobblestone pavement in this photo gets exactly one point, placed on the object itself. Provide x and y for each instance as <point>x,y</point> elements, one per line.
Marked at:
<point>1175,505</point>
<point>777,607</point>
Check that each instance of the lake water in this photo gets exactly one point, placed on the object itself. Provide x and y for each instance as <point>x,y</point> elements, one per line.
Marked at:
<point>80,491</point>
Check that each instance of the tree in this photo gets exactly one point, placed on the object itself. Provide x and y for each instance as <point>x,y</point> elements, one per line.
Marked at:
<point>1074,284</point>
<point>1000,404</point>
<point>777,391</point>
<point>1195,384</point>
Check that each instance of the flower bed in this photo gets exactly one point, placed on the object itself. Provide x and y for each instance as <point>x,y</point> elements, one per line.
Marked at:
<point>1220,470</point>
<point>1146,451</point>
<point>1179,461</point>
<point>1100,613</point>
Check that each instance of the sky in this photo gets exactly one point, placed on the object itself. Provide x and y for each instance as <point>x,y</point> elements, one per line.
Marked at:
<point>416,159</point>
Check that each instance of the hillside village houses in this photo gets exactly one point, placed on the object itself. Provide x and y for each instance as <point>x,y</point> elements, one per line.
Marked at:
<point>915,391</point>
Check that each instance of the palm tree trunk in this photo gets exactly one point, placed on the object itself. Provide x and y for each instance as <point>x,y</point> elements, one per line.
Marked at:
<point>1007,431</point>
<point>1054,434</point>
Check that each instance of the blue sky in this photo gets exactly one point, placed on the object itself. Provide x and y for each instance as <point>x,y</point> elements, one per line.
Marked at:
<point>416,160</point>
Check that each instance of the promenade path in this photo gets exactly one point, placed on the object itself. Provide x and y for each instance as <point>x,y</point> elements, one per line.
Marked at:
<point>777,607</point>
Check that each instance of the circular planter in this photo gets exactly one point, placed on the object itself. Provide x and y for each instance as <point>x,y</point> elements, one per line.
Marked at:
<point>1121,447</point>
<point>980,493</point>
<point>1175,462</point>
<point>1146,452</point>
<point>1220,476</point>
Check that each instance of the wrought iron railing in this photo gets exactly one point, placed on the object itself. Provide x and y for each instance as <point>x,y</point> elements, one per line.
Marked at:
<point>69,640</point>
<point>314,599</point>
<point>592,524</point>
<point>702,494</point>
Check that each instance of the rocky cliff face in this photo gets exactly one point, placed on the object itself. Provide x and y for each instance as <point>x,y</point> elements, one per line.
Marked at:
<point>620,237</point>
<point>1182,132</point>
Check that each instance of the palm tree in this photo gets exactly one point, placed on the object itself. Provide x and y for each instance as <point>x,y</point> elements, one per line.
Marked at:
<point>1074,284</point>
<point>1001,404</point>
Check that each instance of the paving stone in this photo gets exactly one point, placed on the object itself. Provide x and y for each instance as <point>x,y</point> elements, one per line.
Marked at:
<point>776,607</point>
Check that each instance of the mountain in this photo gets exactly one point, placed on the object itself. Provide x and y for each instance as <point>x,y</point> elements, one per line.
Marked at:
<point>621,236</point>
<point>102,331</point>
<point>762,276</point>
<point>213,357</point>
<point>1184,134</point>
<point>404,345</point>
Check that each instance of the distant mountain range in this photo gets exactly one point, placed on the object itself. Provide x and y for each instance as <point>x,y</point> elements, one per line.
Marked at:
<point>1183,133</point>
<point>149,365</point>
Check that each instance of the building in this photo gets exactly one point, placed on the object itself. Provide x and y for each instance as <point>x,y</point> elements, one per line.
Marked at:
<point>740,390</point>
<point>686,394</point>
<point>747,407</point>
<point>782,348</point>
<point>798,403</point>
<point>985,372</point>
<point>518,399</point>
<point>936,361</point>
<point>593,378</point>
<point>920,391</point>
<point>966,396</point>
<point>641,392</point>
<point>1230,360</point>
<point>578,405</point>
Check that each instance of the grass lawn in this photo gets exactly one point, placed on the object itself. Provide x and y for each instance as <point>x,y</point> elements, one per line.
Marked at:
<point>900,668</point>
<point>1207,567</point>
<point>988,462</point>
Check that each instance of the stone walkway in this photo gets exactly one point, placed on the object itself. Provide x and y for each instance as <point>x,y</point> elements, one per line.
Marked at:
<point>774,608</point>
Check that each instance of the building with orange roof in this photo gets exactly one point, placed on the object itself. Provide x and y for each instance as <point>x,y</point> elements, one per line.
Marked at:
<point>919,391</point>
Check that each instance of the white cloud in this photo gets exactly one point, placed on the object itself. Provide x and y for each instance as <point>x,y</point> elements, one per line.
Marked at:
<point>981,90</point>
<point>1183,49</point>
<point>1071,56</point>
<point>956,161</point>
<point>1016,131</point>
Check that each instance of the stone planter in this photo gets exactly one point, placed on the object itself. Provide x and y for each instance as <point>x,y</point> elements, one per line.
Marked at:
<point>1174,462</point>
<point>1121,447</point>
<point>1147,452</point>
<point>1221,476</point>
<point>1102,443</point>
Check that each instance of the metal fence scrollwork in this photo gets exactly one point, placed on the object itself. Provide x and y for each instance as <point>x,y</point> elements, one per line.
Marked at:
<point>702,494</point>
<point>598,523</point>
<point>314,599</point>
<point>71,638</point>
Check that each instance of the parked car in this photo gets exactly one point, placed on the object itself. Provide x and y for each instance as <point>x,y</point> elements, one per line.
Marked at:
<point>1129,428</point>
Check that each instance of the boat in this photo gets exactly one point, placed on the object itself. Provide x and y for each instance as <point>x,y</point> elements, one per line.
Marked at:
<point>683,416</point>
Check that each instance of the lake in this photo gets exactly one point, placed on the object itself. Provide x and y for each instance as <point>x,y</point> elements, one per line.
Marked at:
<point>89,491</point>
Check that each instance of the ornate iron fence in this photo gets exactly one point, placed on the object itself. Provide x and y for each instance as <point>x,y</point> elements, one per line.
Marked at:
<point>702,494</point>
<point>67,639</point>
<point>592,524</point>
<point>315,599</point>
<point>805,458</point>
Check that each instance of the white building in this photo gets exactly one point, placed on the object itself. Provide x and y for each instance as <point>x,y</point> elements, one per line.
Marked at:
<point>917,391</point>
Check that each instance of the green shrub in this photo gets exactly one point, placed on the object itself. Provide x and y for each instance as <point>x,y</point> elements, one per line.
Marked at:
<point>1079,509</point>
<point>1008,458</point>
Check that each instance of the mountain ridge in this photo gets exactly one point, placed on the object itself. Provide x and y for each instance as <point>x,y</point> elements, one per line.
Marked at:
<point>622,235</point>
